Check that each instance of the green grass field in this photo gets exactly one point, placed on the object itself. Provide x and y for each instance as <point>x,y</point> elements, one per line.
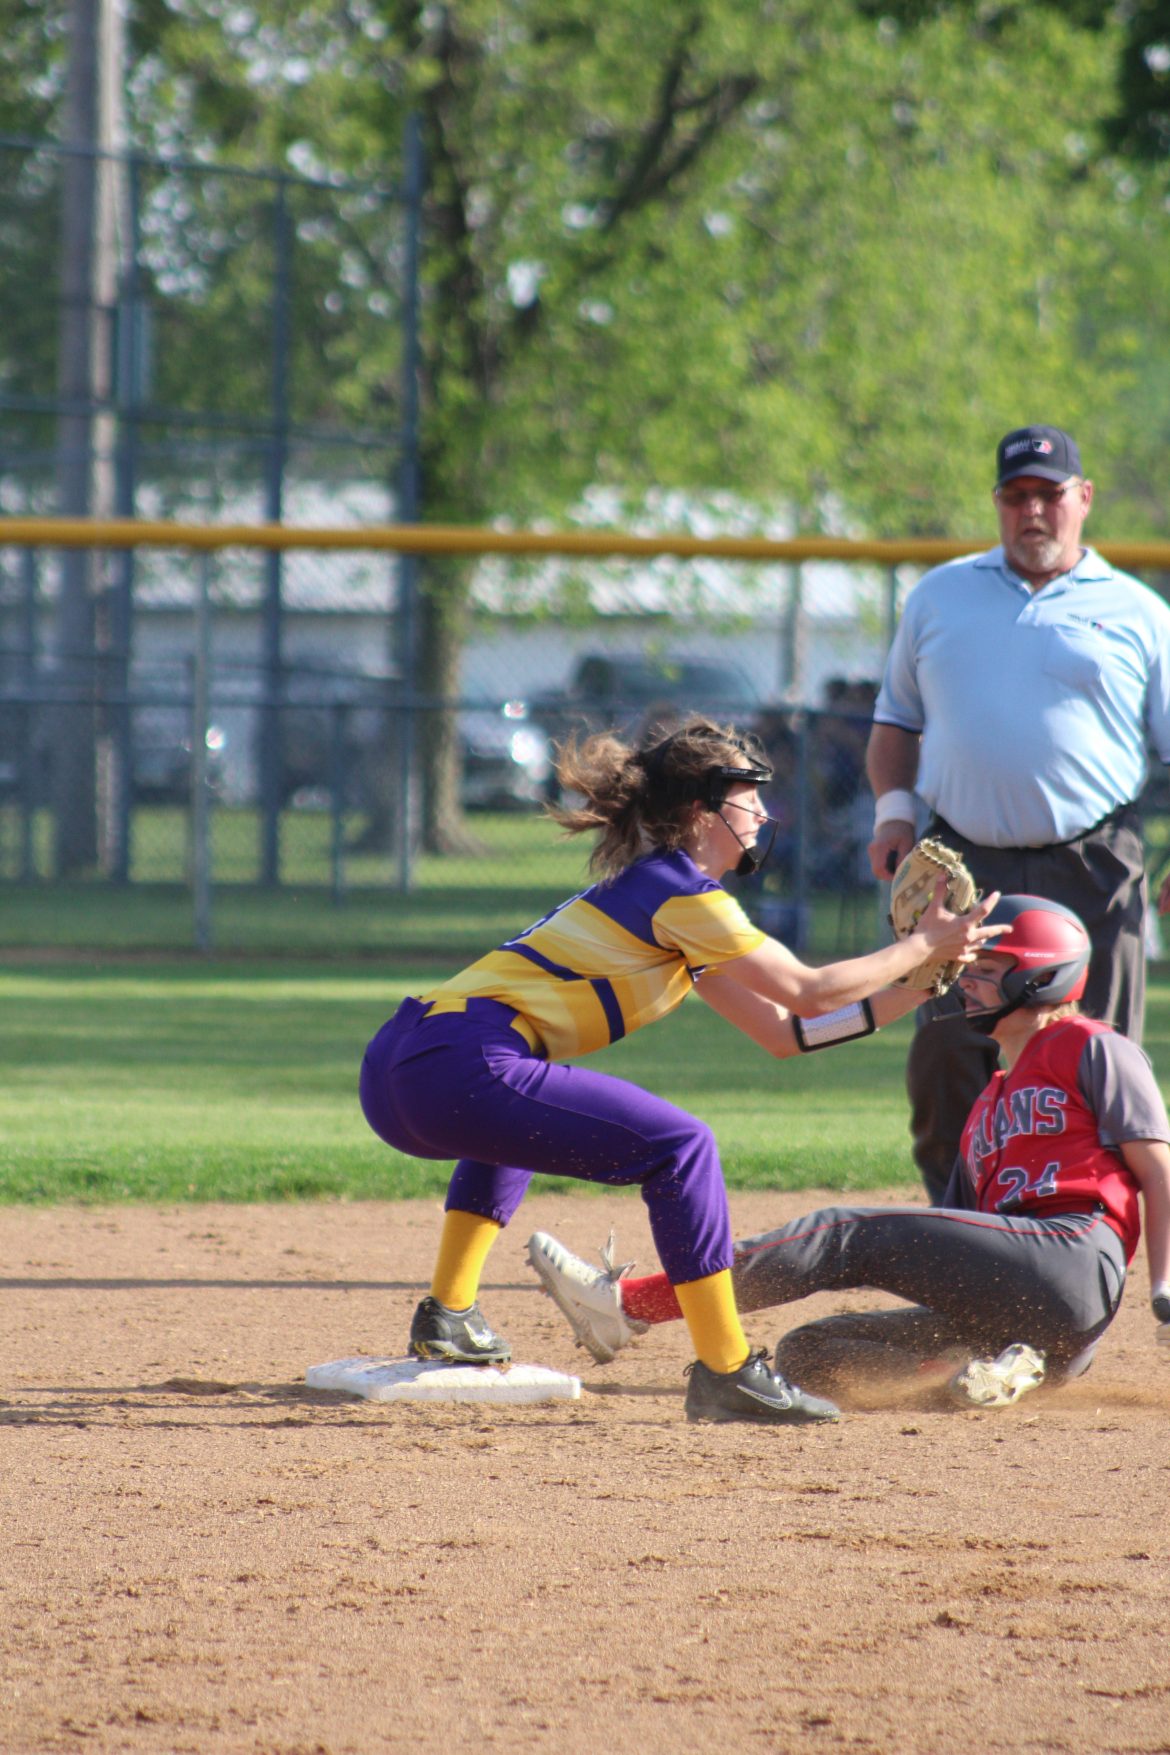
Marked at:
<point>457,907</point>
<point>157,1080</point>
<point>133,1070</point>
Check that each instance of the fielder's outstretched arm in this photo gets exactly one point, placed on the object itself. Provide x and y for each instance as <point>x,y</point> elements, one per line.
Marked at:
<point>776,974</point>
<point>775,1029</point>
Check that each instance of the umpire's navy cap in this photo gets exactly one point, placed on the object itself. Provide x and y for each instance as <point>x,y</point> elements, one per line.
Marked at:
<point>1042,451</point>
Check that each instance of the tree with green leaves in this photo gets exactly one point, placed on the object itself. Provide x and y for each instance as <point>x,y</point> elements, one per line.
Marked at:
<point>818,255</point>
<point>1140,125</point>
<point>575,282</point>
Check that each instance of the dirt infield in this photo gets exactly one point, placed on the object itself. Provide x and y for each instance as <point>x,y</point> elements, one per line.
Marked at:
<point>202,1554</point>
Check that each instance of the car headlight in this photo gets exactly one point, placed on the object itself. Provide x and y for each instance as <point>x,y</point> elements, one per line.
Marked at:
<point>529,749</point>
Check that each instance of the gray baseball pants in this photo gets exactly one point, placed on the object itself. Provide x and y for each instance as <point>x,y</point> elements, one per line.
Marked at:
<point>980,1280</point>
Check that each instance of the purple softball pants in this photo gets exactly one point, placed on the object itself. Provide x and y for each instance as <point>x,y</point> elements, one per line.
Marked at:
<point>467,1086</point>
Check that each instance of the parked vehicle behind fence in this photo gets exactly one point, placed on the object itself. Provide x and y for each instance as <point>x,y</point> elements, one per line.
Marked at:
<point>632,692</point>
<point>344,725</point>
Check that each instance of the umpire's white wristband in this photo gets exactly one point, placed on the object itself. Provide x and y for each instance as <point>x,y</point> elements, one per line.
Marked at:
<point>895,806</point>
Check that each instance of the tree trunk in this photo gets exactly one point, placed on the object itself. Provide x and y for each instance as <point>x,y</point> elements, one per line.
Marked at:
<point>442,631</point>
<point>437,754</point>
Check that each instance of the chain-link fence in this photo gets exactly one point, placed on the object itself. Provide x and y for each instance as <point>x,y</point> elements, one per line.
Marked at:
<point>186,339</point>
<point>198,713</point>
<point>204,765</point>
<point>209,342</point>
<point>180,746</point>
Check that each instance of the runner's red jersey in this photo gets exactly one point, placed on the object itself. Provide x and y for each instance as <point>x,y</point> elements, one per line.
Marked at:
<point>1031,1143</point>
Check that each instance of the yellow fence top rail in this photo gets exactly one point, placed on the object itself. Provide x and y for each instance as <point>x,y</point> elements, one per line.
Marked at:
<point>469,539</point>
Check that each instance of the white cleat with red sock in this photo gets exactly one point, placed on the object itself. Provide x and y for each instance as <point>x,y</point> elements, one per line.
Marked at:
<point>589,1297</point>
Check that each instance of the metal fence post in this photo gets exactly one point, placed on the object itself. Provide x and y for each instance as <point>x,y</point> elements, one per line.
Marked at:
<point>200,792</point>
<point>129,389</point>
<point>793,639</point>
<point>29,718</point>
<point>338,716</point>
<point>800,872</point>
<point>882,893</point>
<point>276,458</point>
<point>891,615</point>
<point>409,503</point>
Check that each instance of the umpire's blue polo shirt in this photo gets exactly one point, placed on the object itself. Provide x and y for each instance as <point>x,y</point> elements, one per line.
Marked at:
<point>1036,709</point>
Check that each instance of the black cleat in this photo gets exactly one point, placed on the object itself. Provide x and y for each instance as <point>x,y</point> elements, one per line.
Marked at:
<point>754,1392</point>
<point>460,1337</point>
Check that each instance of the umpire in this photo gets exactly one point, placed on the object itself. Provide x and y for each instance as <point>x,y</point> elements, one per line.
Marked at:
<point>1022,693</point>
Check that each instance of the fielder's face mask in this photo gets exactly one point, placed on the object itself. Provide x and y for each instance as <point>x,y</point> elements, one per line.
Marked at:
<point>710,789</point>
<point>981,1016</point>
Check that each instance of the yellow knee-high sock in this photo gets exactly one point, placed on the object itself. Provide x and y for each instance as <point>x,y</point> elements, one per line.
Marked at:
<point>716,1331</point>
<point>463,1249</point>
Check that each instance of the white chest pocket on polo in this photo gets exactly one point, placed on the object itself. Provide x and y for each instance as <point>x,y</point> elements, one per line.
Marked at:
<point>1073,655</point>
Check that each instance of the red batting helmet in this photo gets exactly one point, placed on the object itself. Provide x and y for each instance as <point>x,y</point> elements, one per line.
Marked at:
<point>1050,946</point>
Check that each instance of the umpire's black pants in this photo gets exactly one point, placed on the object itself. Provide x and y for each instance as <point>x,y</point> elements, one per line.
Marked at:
<point>1100,876</point>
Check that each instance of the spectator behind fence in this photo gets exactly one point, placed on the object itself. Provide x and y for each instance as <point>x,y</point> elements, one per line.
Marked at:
<point>1021,693</point>
<point>841,796</point>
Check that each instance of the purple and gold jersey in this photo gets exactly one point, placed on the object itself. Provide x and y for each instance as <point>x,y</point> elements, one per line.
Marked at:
<point>619,955</point>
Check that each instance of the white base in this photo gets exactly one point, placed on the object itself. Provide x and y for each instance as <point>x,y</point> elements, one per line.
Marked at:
<point>429,1380</point>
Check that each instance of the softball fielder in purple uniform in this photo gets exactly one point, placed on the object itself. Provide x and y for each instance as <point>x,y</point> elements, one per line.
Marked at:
<point>1026,1259</point>
<point>473,1069</point>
